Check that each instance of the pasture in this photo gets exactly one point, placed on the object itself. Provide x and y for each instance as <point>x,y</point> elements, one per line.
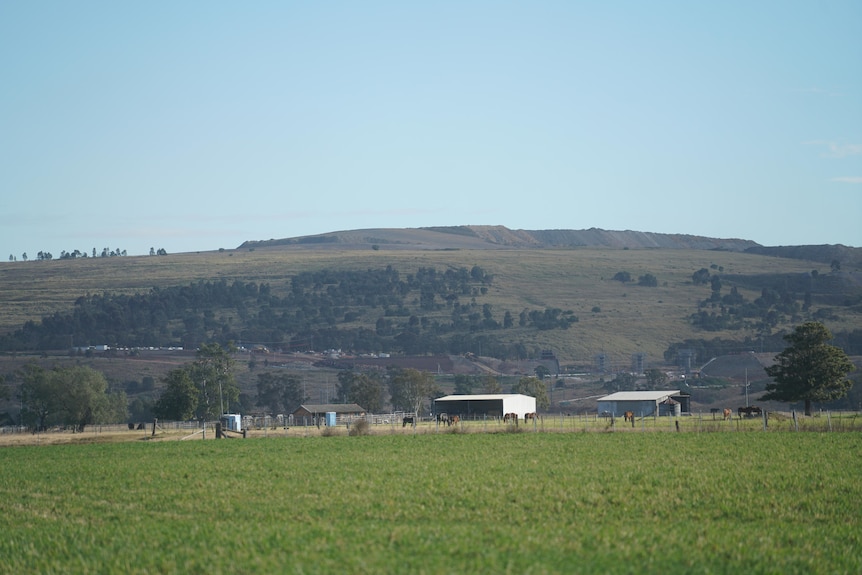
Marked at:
<point>438,503</point>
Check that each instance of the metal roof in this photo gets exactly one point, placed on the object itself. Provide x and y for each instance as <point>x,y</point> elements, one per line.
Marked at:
<point>639,395</point>
<point>481,397</point>
<point>326,407</point>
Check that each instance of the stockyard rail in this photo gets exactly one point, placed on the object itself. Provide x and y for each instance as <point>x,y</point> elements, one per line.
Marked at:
<point>769,422</point>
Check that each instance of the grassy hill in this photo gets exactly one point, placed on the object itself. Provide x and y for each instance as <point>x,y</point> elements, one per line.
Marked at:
<point>615,319</point>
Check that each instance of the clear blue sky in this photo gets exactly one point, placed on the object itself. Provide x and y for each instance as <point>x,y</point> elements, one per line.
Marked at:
<point>199,125</point>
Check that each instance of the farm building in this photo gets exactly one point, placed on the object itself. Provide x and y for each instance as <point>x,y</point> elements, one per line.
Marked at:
<point>313,412</point>
<point>492,405</point>
<point>644,403</point>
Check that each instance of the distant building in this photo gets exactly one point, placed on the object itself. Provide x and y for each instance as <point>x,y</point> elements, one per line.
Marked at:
<point>319,410</point>
<point>492,405</point>
<point>645,403</point>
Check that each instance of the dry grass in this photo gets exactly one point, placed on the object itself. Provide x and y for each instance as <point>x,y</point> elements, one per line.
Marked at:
<point>632,318</point>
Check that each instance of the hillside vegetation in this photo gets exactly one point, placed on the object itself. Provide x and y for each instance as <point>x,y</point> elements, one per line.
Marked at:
<point>402,297</point>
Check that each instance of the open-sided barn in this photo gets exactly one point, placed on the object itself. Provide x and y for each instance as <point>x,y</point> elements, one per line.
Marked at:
<point>492,405</point>
<point>645,403</point>
<point>319,410</point>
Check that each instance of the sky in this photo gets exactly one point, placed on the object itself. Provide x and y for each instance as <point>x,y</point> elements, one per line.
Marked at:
<point>197,125</point>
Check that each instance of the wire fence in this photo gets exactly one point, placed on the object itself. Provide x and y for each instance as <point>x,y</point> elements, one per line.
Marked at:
<point>403,422</point>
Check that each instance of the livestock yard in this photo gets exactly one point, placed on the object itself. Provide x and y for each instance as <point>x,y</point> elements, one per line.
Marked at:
<point>440,500</point>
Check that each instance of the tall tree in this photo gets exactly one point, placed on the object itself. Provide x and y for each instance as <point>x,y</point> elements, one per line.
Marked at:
<point>809,369</point>
<point>367,391</point>
<point>490,384</point>
<point>39,401</point>
<point>179,400</point>
<point>82,391</point>
<point>213,375</point>
<point>279,392</point>
<point>656,378</point>
<point>464,384</point>
<point>410,388</point>
<point>534,387</point>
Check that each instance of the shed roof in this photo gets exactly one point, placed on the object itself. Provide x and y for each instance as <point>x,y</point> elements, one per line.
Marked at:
<point>326,407</point>
<point>480,397</point>
<point>639,395</point>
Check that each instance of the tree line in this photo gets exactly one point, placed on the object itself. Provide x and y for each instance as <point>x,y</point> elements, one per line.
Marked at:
<point>75,254</point>
<point>783,297</point>
<point>365,311</point>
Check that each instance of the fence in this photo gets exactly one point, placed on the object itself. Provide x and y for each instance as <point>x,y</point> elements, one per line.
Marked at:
<point>769,422</point>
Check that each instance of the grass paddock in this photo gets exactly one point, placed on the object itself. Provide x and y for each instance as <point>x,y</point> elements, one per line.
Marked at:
<point>438,503</point>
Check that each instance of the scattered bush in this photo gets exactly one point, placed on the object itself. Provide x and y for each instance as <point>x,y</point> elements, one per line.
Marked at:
<point>359,427</point>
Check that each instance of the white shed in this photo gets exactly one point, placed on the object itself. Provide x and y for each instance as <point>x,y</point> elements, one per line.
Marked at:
<point>644,403</point>
<point>492,404</point>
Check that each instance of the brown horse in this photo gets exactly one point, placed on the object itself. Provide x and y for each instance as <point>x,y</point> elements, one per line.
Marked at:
<point>454,419</point>
<point>528,416</point>
<point>728,413</point>
<point>629,416</point>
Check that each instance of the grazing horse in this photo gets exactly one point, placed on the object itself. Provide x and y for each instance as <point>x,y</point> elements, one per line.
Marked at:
<point>407,420</point>
<point>749,411</point>
<point>629,416</point>
<point>454,419</point>
<point>528,416</point>
<point>728,413</point>
<point>443,418</point>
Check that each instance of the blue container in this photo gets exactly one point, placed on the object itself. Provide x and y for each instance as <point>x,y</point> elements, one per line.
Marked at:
<point>330,419</point>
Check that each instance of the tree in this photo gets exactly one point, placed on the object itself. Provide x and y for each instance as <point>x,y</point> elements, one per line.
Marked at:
<point>623,276</point>
<point>648,280</point>
<point>367,391</point>
<point>464,384</point>
<point>67,396</point>
<point>534,387</point>
<point>39,401</point>
<point>409,388</point>
<point>279,392</point>
<point>179,400</point>
<point>82,391</point>
<point>212,373</point>
<point>656,378</point>
<point>700,277</point>
<point>491,384</point>
<point>809,369</point>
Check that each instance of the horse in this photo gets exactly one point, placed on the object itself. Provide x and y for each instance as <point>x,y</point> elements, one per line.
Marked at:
<point>454,419</point>
<point>728,413</point>
<point>629,416</point>
<point>749,411</point>
<point>534,416</point>
<point>407,420</point>
<point>443,418</point>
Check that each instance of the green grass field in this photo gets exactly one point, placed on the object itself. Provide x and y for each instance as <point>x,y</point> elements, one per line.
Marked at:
<point>438,503</point>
